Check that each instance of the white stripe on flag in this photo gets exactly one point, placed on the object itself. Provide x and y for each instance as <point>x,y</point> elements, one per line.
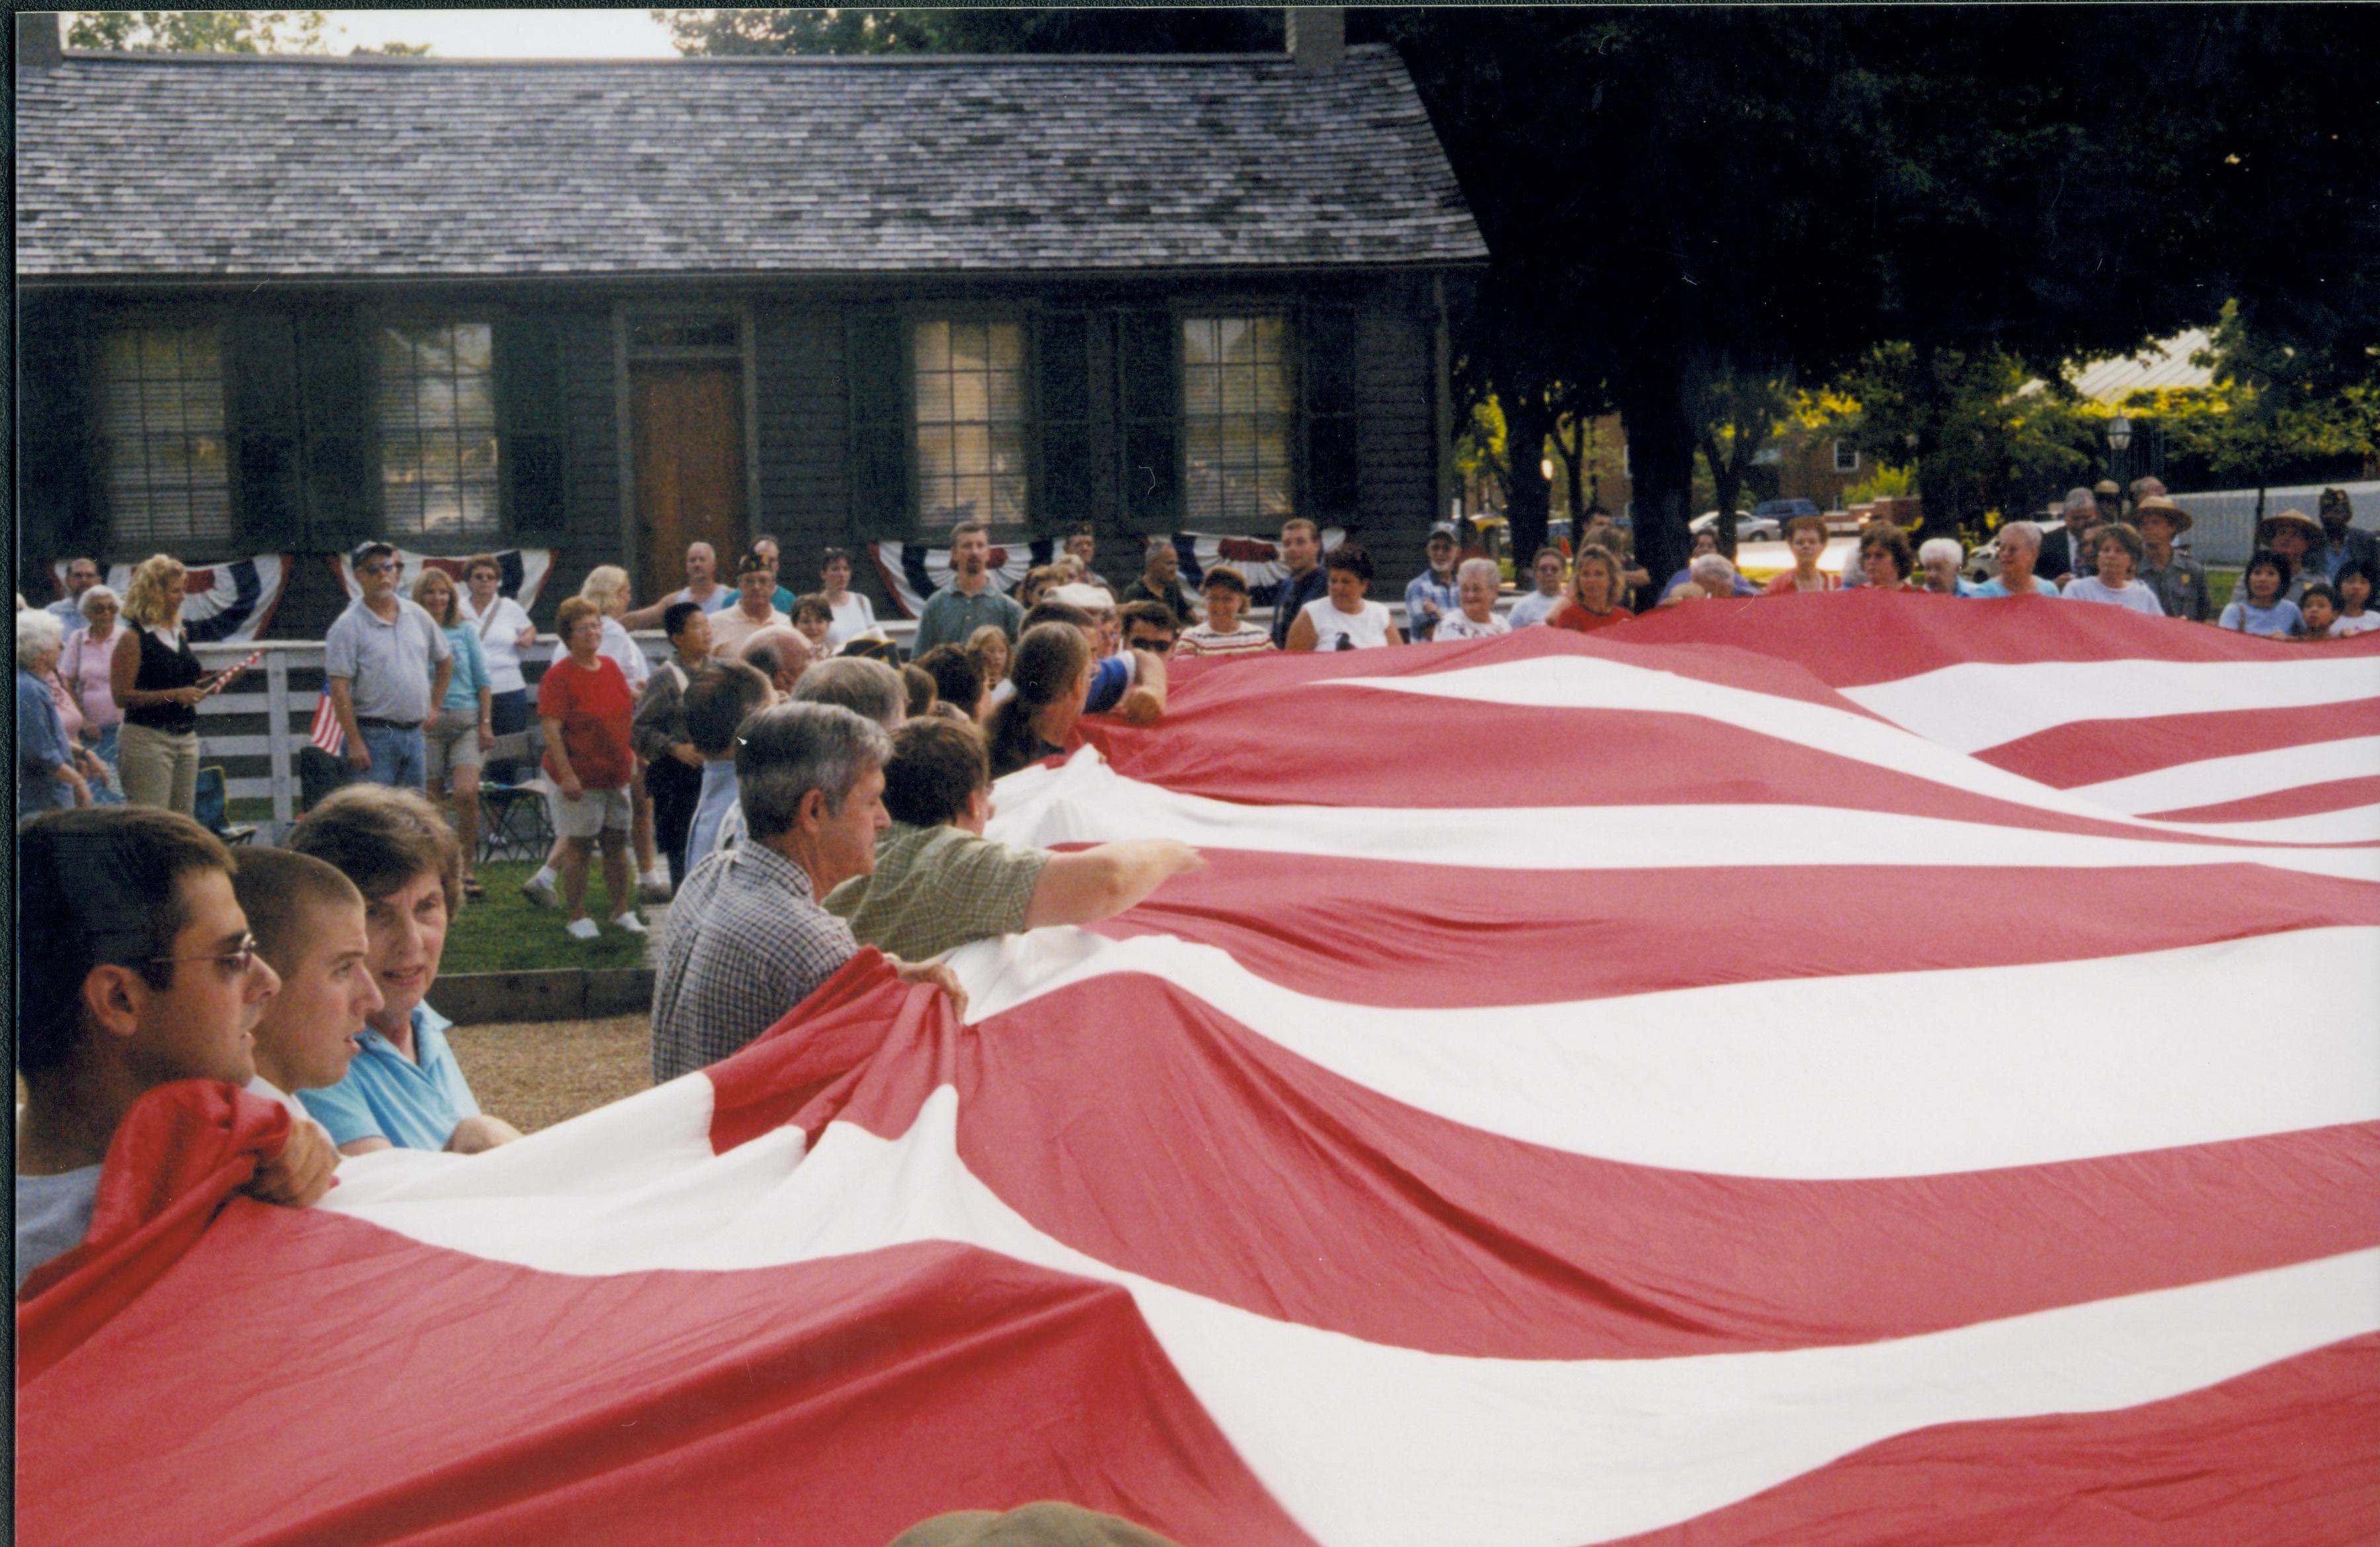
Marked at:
<point>1901,1074</point>
<point>1087,802</point>
<point>1974,706</point>
<point>2214,780</point>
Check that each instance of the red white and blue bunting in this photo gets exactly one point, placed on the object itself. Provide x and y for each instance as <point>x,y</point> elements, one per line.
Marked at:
<point>222,603</point>
<point>525,571</point>
<point>912,572</point>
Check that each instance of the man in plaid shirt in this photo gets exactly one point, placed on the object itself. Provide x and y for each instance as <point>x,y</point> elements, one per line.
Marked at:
<point>747,939</point>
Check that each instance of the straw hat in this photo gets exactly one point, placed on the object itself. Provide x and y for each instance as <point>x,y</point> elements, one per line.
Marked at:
<point>2271,524</point>
<point>2158,504</point>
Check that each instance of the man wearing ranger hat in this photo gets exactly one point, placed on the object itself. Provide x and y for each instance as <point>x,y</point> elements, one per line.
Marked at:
<point>2178,581</point>
<point>2297,538</point>
<point>2344,543</point>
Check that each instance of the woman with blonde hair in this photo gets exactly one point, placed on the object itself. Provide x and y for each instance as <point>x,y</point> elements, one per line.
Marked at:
<point>461,729</point>
<point>988,647</point>
<point>155,679</point>
<point>1596,582</point>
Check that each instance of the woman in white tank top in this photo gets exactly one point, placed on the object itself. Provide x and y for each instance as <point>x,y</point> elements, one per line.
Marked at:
<point>1344,620</point>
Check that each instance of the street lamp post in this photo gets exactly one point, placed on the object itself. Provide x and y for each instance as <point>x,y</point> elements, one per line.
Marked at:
<point>2119,437</point>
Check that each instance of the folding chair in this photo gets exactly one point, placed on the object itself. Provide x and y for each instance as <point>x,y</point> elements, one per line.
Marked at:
<point>513,821</point>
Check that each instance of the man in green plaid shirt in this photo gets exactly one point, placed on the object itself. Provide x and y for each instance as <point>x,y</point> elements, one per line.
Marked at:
<point>939,883</point>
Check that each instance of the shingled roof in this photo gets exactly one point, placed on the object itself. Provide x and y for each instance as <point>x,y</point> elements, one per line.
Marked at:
<point>188,167</point>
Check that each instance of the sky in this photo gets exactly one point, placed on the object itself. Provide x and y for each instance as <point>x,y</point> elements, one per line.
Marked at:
<point>507,34</point>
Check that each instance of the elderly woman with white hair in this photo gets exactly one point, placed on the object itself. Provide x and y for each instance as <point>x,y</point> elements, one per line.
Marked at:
<point>1937,562</point>
<point>52,772</point>
<point>85,668</point>
<point>1476,581</point>
<point>2019,547</point>
<point>1708,578</point>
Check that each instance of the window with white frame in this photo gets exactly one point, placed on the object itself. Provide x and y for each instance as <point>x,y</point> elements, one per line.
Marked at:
<point>1237,422</point>
<point>166,466</point>
<point>436,389</point>
<point>1846,458</point>
<point>971,423</point>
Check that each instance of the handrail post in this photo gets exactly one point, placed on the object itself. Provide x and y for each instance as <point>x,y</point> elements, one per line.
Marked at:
<point>276,691</point>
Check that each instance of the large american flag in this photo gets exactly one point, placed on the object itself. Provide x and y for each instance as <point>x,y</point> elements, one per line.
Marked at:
<point>1850,1069</point>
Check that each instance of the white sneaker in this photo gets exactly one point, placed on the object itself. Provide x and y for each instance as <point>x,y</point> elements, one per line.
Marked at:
<point>540,890</point>
<point>629,922</point>
<point>653,886</point>
<point>581,929</point>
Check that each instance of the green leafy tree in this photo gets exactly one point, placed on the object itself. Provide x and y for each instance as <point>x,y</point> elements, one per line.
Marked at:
<point>1984,435</point>
<point>198,31</point>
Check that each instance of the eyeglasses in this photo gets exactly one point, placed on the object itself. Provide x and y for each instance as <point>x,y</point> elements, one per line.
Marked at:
<point>1155,647</point>
<point>233,962</point>
<point>376,567</point>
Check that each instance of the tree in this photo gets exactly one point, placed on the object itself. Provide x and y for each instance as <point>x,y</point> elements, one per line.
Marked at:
<point>198,31</point>
<point>1662,189</point>
<point>1737,414</point>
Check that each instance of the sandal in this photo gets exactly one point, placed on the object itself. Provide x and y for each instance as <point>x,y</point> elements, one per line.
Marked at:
<point>471,887</point>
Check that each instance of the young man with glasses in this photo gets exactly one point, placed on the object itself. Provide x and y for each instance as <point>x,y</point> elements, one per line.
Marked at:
<point>1149,626</point>
<point>136,970</point>
<point>385,663</point>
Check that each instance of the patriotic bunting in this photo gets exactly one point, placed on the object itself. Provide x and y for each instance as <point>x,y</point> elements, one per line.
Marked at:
<point>525,571</point>
<point>222,603</point>
<point>1864,1070</point>
<point>911,573</point>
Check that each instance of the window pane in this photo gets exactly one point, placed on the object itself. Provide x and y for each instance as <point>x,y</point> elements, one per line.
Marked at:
<point>1008,395</point>
<point>933,346</point>
<point>970,400</point>
<point>969,348</point>
<point>163,471</point>
<point>434,395</point>
<point>1236,421</point>
<point>933,398</point>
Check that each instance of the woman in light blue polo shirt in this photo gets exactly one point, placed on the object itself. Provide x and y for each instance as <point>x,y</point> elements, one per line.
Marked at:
<point>405,1088</point>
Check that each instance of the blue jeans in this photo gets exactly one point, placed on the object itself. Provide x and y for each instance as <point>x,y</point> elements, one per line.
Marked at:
<point>112,792</point>
<point>398,757</point>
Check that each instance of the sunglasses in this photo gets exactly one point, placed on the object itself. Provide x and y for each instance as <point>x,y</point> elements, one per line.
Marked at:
<point>377,566</point>
<point>233,962</point>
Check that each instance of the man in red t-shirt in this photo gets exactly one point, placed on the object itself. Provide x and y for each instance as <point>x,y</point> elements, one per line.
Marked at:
<point>586,706</point>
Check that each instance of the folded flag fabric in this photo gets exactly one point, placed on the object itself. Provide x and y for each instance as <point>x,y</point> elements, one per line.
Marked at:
<point>525,571</point>
<point>1854,1068</point>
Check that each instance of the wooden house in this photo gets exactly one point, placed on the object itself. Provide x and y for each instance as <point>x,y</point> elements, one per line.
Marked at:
<point>287,304</point>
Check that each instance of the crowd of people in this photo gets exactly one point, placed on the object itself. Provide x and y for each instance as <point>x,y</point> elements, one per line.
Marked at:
<point>810,792</point>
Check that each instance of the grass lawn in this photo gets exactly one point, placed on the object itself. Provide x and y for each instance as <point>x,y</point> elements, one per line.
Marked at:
<point>503,932</point>
<point>2221,580</point>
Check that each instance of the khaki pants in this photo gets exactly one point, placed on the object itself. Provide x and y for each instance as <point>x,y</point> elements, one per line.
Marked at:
<point>160,768</point>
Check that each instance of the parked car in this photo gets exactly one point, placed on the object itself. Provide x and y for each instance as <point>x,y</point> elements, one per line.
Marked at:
<point>1783,511</point>
<point>1748,527</point>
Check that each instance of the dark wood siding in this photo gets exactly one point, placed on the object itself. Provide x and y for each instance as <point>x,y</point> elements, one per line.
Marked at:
<point>805,439</point>
<point>591,533</point>
<point>1396,461</point>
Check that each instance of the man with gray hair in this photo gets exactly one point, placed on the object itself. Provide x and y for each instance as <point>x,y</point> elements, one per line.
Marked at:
<point>2064,551</point>
<point>747,939</point>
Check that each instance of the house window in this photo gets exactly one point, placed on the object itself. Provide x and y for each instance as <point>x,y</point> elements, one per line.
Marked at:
<point>437,411</point>
<point>169,484</point>
<point>971,423</point>
<point>1235,422</point>
<point>1846,458</point>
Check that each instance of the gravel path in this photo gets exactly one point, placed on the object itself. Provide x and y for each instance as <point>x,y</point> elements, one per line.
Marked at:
<point>535,1074</point>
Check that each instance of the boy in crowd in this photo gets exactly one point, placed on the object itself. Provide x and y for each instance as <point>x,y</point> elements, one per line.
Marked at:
<point>715,706</point>
<point>136,969</point>
<point>308,924</point>
<point>1149,626</point>
<point>1226,591</point>
<point>2317,610</point>
<point>814,615</point>
<point>403,1088</point>
<point>939,883</point>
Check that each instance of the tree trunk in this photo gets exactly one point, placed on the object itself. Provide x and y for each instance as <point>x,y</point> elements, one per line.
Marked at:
<point>1661,457</point>
<point>1527,424</point>
<point>1726,481</point>
<point>1579,445</point>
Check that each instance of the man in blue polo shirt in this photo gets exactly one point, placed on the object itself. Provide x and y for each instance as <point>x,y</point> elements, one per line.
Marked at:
<point>404,1089</point>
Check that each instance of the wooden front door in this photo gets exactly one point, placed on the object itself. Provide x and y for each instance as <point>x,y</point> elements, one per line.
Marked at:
<point>688,428</point>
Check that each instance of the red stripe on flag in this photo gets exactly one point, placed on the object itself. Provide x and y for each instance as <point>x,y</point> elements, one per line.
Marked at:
<point>1198,1153</point>
<point>1524,756</point>
<point>2333,795</point>
<point>1855,639</point>
<point>2093,751</point>
<point>1430,936</point>
<point>423,1394</point>
<point>2285,1454</point>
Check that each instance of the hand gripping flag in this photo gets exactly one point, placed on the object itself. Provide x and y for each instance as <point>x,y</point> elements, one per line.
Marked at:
<point>1864,1069</point>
